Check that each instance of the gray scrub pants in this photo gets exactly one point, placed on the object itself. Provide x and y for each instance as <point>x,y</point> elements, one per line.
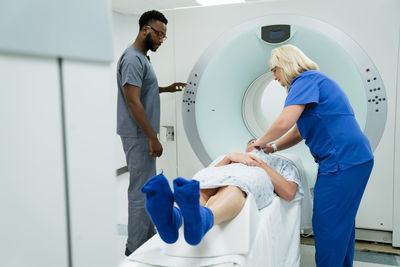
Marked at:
<point>141,167</point>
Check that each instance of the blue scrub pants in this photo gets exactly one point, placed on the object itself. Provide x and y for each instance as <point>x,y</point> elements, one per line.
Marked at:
<point>337,197</point>
<point>141,168</point>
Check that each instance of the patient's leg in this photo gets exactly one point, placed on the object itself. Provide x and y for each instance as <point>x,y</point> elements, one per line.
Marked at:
<point>206,193</point>
<point>197,219</point>
<point>160,206</point>
<point>226,203</point>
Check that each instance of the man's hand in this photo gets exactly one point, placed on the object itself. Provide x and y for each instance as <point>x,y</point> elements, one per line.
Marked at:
<point>176,87</point>
<point>156,148</point>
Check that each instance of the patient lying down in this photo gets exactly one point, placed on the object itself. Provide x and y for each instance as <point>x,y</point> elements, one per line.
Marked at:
<point>218,193</point>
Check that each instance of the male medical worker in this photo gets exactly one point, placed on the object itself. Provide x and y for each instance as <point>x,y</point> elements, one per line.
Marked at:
<point>138,120</point>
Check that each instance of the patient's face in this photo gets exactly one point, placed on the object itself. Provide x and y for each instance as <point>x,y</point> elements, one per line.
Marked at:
<point>249,148</point>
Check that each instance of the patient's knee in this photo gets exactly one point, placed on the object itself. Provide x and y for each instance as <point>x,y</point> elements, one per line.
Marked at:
<point>206,194</point>
<point>236,190</point>
<point>208,191</point>
<point>235,195</point>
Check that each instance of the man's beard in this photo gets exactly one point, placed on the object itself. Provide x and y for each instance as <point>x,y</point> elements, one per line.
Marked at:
<point>149,43</point>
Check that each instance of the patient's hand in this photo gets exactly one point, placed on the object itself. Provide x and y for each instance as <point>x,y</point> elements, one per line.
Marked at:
<point>244,158</point>
<point>259,163</point>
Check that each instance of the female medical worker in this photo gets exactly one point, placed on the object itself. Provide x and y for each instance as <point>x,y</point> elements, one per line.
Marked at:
<point>325,119</point>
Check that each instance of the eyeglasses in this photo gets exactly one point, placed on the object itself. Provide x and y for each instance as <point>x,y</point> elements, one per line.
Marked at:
<point>160,34</point>
<point>274,69</point>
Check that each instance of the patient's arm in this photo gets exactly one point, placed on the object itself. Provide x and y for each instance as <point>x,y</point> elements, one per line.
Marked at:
<point>244,158</point>
<point>223,162</point>
<point>283,188</point>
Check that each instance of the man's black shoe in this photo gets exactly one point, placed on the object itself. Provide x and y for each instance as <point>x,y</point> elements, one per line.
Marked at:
<point>127,252</point>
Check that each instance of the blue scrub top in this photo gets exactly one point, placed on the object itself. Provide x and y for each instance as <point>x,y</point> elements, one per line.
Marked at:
<point>327,123</point>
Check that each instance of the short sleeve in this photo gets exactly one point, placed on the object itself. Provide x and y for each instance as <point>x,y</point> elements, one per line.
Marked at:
<point>290,173</point>
<point>132,71</point>
<point>303,90</point>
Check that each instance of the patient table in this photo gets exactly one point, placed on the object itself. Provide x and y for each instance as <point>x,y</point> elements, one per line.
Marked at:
<point>269,237</point>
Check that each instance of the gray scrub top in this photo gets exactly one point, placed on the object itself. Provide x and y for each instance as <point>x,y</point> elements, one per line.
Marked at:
<point>134,68</point>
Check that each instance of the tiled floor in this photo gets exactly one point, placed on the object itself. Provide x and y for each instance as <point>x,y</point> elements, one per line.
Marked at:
<point>361,258</point>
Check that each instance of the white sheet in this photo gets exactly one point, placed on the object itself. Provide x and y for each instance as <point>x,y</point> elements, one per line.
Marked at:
<point>276,243</point>
<point>233,237</point>
<point>307,202</point>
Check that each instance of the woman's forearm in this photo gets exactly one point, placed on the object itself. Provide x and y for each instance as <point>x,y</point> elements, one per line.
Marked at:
<point>281,125</point>
<point>292,138</point>
<point>276,130</point>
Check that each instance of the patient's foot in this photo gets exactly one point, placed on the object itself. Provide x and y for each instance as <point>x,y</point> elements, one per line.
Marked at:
<point>197,219</point>
<point>160,206</point>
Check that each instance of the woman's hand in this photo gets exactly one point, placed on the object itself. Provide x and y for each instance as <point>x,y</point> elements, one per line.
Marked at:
<point>254,144</point>
<point>268,149</point>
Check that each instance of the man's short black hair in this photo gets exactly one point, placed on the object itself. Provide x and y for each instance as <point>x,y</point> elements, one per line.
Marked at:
<point>151,15</point>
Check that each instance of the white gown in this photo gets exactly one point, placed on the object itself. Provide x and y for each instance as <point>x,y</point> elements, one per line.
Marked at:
<point>250,179</point>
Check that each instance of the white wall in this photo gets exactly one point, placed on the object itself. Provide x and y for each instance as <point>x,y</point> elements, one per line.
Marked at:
<point>125,29</point>
<point>396,185</point>
<point>33,225</point>
<point>163,61</point>
<point>89,151</point>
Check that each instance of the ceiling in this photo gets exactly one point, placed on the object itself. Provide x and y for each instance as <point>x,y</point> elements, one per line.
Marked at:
<point>138,7</point>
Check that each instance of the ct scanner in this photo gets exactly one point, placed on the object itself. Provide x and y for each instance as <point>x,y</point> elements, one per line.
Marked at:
<point>231,96</point>
<point>231,88</point>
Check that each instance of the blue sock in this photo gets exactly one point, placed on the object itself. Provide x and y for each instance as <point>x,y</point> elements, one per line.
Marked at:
<point>160,206</point>
<point>197,219</point>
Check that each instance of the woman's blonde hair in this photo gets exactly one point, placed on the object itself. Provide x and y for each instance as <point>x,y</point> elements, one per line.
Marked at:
<point>292,62</point>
